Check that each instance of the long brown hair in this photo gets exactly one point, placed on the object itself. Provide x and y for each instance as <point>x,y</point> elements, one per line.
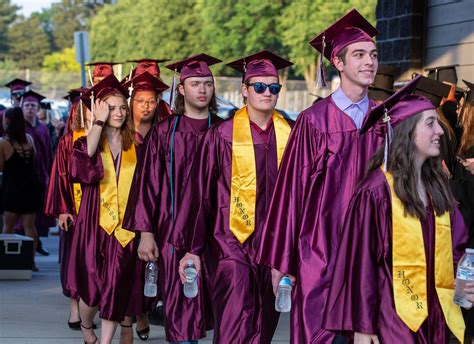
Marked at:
<point>467,124</point>
<point>127,131</point>
<point>401,163</point>
<point>15,130</point>
<point>179,108</point>
<point>77,125</point>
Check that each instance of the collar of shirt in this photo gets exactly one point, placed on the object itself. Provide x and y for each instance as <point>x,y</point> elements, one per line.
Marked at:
<point>344,103</point>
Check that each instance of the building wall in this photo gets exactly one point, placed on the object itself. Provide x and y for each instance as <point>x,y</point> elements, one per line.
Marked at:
<point>450,36</point>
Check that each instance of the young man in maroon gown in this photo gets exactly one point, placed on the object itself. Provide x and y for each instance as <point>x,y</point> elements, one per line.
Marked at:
<point>159,187</point>
<point>222,214</point>
<point>325,158</point>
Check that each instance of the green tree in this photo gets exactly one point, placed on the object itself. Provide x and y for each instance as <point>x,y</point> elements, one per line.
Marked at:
<point>7,17</point>
<point>304,19</point>
<point>60,71</point>
<point>28,43</point>
<point>238,28</point>
<point>63,61</point>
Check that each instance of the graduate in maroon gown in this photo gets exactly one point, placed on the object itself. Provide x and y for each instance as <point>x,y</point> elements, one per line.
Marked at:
<point>144,90</point>
<point>43,157</point>
<point>63,198</point>
<point>393,280</point>
<point>152,66</point>
<point>325,158</point>
<point>104,163</point>
<point>17,87</point>
<point>160,184</point>
<point>100,71</point>
<point>222,214</point>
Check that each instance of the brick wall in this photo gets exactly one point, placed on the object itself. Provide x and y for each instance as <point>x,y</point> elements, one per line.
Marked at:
<point>400,42</point>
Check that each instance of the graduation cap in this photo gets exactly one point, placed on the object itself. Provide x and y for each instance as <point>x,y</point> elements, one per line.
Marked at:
<point>263,63</point>
<point>470,92</point>
<point>383,83</point>
<point>102,89</point>
<point>443,73</point>
<point>17,87</point>
<point>74,95</point>
<point>147,65</point>
<point>402,105</point>
<point>351,28</point>
<point>101,70</point>
<point>194,66</point>
<point>32,96</point>
<point>431,89</point>
<point>145,82</point>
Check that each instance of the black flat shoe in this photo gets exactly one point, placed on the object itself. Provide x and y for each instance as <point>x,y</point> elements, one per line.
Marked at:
<point>143,334</point>
<point>41,250</point>
<point>156,317</point>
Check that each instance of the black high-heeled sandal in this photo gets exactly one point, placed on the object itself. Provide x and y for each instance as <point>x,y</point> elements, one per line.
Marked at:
<point>76,325</point>
<point>96,340</point>
<point>143,334</point>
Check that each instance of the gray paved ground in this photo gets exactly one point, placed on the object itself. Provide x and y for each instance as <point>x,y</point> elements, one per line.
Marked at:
<point>36,312</point>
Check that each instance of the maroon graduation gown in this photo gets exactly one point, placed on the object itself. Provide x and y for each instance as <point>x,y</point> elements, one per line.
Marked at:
<point>149,210</point>
<point>43,162</point>
<point>60,200</point>
<point>361,293</point>
<point>241,292</point>
<point>324,160</point>
<point>103,268</point>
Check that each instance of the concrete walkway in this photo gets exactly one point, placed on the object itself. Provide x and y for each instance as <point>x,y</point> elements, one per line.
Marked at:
<point>36,312</point>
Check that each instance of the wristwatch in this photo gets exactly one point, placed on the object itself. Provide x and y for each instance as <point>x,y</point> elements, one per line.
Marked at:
<point>99,123</point>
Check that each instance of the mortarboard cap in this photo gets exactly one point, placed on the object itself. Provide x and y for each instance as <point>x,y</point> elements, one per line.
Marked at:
<point>102,69</point>
<point>351,28</point>
<point>146,82</point>
<point>443,73</point>
<point>102,89</point>
<point>17,85</point>
<point>194,66</point>
<point>147,65</point>
<point>431,89</point>
<point>399,107</point>
<point>74,95</point>
<point>32,96</point>
<point>470,92</point>
<point>383,83</point>
<point>263,63</point>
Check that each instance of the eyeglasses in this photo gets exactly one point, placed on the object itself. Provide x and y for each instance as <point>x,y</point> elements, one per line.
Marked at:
<point>261,87</point>
<point>149,103</point>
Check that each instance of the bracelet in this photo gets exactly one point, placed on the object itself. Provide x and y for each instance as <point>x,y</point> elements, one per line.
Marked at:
<point>99,123</point>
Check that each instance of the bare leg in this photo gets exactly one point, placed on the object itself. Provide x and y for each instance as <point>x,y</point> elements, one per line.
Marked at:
<point>28,221</point>
<point>126,331</point>
<point>9,221</point>
<point>73,310</point>
<point>87,317</point>
<point>107,331</point>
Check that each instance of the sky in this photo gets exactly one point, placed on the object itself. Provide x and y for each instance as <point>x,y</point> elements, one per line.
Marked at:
<point>30,6</point>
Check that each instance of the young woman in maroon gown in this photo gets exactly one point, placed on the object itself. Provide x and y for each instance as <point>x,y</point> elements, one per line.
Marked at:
<point>104,163</point>
<point>393,279</point>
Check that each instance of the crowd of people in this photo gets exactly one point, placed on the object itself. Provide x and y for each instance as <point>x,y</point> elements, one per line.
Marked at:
<point>365,203</point>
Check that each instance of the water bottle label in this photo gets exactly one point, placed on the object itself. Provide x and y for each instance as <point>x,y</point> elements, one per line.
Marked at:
<point>465,275</point>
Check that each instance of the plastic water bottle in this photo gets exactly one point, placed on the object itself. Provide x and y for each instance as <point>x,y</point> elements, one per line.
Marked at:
<point>190,287</point>
<point>465,274</point>
<point>151,279</point>
<point>283,297</point>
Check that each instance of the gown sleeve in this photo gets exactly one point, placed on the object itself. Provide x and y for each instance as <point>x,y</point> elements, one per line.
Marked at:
<point>354,296</point>
<point>85,169</point>
<point>144,200</point>
<point>302,163</point>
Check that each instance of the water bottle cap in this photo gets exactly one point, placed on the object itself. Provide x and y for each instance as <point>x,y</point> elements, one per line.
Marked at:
<point>285,281</point>
<point>469,250</point>
<point>190,262</point>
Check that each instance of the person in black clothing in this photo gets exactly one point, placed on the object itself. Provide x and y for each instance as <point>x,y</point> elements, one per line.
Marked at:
<point>20,197</point>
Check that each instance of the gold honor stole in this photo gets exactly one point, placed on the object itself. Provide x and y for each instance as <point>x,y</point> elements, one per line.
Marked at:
<point>77,186</point>
<point>114,195</point>
<point>409,268</point>
<point>243,193</point>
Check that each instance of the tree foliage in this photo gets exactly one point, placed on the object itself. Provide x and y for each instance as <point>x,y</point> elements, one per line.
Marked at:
<point>7,17</point>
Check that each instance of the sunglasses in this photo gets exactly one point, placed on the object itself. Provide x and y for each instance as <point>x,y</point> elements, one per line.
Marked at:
<point>261,87</point>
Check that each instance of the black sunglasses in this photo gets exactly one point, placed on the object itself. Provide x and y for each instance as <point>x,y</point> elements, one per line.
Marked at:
<point>261,87</point>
